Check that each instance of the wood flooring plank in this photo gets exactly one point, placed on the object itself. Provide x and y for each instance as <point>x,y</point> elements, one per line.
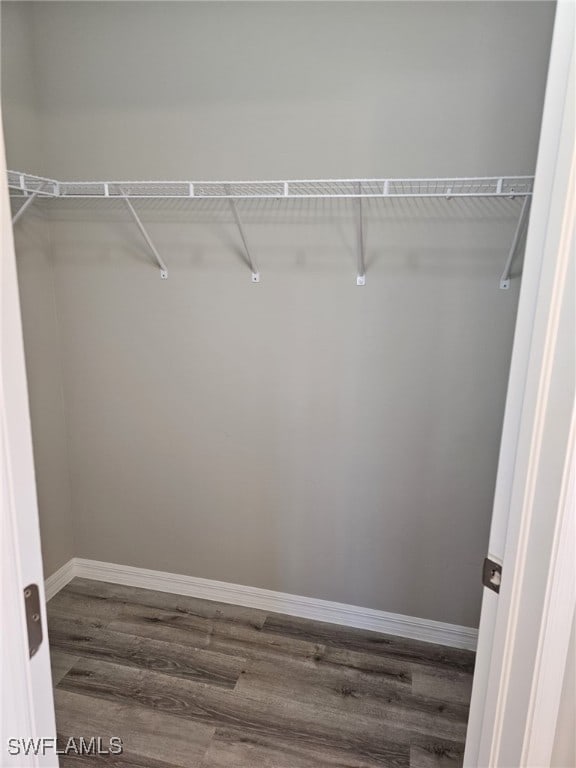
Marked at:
<point>315,670</point>
<point>126,760</point>
<point>99,601</point>
<point>60,663</point>
<point>157,624</point>
<point>442,685</point>
<point>229,638</point>
<point>149,737</point>
<point>118,594</point>
<point>169,658</point>
<point>355,695</point>
<point>89,607</point>
<point>369,642</point>
<point>68,634</point>
<point>376,664</point>
<point>58,616</point>
<point>258,645</point>
<point>436,757</point>
<point>297,722</point>
<point>232,748</point>
<point>432,682</point>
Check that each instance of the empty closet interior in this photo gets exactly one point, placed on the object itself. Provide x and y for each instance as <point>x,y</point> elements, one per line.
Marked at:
<point>269,258</point>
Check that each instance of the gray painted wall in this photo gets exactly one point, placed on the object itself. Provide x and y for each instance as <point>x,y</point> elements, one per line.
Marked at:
<point>302,434</point>
<point>36,281</point>
<point>20,106</point>
<point>264,90</point>
<point>44,370</point>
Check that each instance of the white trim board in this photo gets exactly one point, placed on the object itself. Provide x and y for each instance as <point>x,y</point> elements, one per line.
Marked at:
<point>266,600</point>
<point>60,578</point>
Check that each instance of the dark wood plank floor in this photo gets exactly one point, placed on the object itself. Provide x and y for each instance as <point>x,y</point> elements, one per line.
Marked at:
<point>189,683</point>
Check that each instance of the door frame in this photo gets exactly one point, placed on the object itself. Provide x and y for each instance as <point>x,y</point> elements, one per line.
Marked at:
<point>524,631</point>
<point>27,701</point>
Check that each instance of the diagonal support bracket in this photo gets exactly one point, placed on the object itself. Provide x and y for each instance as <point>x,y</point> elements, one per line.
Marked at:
<point>146,236</point>
<point>27,204</point>
<point>361,266</point>
<point>250,260</point>
<point>505,278</point>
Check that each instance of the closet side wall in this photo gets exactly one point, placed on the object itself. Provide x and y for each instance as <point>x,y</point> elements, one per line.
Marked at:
<point>37,296</point>
<point>45,389</point>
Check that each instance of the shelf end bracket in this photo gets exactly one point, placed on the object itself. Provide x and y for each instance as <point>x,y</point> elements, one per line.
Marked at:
<point>27,204</point>
<point>505,277</point>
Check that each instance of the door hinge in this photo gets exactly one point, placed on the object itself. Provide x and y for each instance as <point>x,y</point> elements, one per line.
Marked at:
<point>491,575</point>
<point>33,618</point>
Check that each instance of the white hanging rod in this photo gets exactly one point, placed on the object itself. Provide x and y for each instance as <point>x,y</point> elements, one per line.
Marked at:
<point>22,184</point>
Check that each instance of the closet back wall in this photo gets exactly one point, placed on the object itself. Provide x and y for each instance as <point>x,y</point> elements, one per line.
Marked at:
<point>301,434</point>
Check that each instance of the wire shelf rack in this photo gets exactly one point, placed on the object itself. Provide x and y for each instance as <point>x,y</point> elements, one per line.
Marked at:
<point>24,185</point>
<point>26,188</point>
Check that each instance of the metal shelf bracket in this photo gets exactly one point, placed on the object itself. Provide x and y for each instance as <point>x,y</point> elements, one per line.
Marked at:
<point>249,259</point>
<point>146,236</point>
<point>505,278</point>
<point>27,204</point>
<point>361,266</point>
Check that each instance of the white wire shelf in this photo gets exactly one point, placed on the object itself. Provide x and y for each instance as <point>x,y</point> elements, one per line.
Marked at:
<point>27,188</point>
<point>24,185</point>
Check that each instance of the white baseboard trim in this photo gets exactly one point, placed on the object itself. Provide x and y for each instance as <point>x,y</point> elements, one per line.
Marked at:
<point>60,578</point>
<point>278,602</point>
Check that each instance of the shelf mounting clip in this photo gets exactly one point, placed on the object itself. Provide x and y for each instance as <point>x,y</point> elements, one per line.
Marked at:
<point>505,278</point>
<point>159,260</point>
<point>249,258</point>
